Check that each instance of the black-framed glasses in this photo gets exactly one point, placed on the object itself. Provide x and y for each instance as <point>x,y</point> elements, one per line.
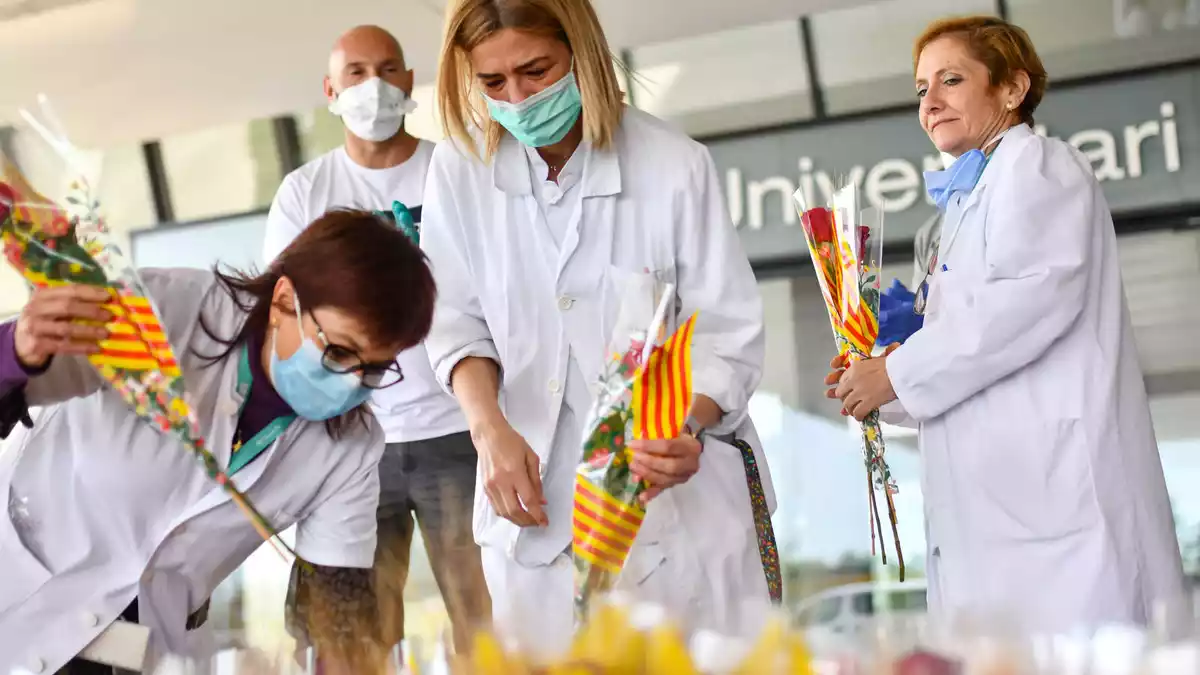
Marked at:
<point>342,360</point>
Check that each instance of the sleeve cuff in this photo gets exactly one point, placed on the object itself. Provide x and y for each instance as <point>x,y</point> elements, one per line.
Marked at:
<point>13,373</point>
<point>444,367</point>
<point>894,414</point>
<point>718,381</point>
<point>904,379</point>
<point>360,555</point>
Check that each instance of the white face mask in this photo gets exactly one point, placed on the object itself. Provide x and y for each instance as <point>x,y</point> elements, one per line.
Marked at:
<point>373,110</point>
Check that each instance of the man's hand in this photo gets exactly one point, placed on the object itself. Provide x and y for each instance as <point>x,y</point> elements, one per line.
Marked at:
<point>665,463</point>
<point>511,475</point>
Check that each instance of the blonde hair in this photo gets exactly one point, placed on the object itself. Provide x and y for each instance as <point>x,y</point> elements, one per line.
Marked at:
<point>1003,47</point>
<point>574,22</point>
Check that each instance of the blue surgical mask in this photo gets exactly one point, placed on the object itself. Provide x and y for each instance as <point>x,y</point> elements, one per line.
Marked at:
<point>961,177</point>
<point>544,118</point>
<point>312,390</point>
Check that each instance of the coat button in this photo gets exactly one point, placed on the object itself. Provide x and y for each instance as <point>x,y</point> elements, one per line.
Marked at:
<point>37,666</point>
<point>565,302</point>
<point>90,620</point>
<point>554,386</point>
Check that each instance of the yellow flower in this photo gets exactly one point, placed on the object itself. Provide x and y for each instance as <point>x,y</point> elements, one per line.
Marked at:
<point>179,407</point>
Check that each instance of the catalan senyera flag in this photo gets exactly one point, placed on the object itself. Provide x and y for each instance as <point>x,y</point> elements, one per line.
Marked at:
<point>136,340</point>
<point>662,393</point>
<point>604,527</point>
<point>608,513</point>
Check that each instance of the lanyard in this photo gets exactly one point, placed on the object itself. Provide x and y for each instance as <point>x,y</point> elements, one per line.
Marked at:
<point>244,453</point>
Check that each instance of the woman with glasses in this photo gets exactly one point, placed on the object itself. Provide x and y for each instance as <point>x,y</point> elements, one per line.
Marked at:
<point>111,526</point>
<point>1044,493</point>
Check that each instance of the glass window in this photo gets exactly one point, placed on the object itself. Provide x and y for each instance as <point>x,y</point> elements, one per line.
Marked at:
<point>864,52</point>
<point>221,171</point>
<point>320,131</point>
<point>714,83</point>
<point>1109,35</point>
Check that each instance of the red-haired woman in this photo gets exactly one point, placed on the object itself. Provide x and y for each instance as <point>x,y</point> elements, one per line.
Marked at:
<point>106,520</point>
<point>1044,493</point>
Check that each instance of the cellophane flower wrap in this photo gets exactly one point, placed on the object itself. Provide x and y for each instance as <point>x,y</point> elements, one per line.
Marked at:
<point>645,393</point>
<point>846,246</point>
<point>57,245</point>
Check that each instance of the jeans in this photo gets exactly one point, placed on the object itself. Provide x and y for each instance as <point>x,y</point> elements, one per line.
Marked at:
<point>433,482</point>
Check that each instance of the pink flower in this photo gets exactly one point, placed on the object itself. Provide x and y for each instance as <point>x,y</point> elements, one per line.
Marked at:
<point>599,458</point>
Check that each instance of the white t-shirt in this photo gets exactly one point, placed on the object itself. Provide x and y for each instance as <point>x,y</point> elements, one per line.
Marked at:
<point>417,408</point>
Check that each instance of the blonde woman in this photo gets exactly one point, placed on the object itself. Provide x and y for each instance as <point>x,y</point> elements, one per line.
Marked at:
<point>550,196</point>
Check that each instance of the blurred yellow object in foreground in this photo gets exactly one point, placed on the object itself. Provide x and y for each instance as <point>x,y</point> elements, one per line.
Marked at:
<point>611,644</point>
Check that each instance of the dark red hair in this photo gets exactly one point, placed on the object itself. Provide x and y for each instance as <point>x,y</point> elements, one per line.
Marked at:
<point>353,261</point>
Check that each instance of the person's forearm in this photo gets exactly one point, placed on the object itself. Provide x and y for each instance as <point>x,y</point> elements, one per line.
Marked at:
<point>706,412</point>
<point>476,384</point>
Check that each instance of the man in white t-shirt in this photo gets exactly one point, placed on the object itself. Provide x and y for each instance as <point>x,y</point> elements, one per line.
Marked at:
<point>428,469</point>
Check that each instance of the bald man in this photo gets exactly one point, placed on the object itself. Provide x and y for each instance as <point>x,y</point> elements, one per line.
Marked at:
<point>428,468</point>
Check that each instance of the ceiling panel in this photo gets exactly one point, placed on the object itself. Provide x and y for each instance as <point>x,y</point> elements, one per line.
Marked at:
<point>125,70</point>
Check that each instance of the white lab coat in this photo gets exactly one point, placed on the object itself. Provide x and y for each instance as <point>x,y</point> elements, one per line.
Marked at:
<point>1044,494</point>
<point>110,508</point>
<point>650,204</point>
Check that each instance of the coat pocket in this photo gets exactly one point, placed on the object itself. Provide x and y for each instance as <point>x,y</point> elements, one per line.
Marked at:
<point>24,574</point>
<point>1034,482</point>
<point>633,299</point>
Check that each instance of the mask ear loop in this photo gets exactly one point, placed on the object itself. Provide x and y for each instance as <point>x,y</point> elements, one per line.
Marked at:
<point>299,315</point>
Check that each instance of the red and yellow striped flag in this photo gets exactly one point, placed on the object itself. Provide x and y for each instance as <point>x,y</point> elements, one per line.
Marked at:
<point>662,392</point>
<point>136,340</point>
<point>604,527</point>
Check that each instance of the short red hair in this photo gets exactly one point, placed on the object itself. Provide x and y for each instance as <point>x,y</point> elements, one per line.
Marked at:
<point>1001,46</point>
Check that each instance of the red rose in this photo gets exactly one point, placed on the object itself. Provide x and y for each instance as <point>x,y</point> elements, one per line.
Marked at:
<point>864,235</point>
<point>818,224</point>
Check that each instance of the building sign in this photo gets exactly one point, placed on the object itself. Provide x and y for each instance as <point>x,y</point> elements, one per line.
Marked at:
<point>1141,134</point>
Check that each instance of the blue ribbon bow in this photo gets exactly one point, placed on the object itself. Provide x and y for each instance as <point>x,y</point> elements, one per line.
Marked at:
<point>961,177</point>
<point>897,320</point>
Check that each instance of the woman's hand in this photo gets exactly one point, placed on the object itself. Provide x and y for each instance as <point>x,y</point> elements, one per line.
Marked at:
<point>862,386</point>
<point>511,476</point>
<point>48,324</point>
<point>665,463</point>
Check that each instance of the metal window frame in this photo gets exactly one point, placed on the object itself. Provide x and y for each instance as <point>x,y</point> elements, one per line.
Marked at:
<point>160,186</point>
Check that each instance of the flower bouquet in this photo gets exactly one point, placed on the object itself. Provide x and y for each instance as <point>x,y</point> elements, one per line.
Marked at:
<point>645,392</point>
<point>846,246</point>
<point>50,245</point>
